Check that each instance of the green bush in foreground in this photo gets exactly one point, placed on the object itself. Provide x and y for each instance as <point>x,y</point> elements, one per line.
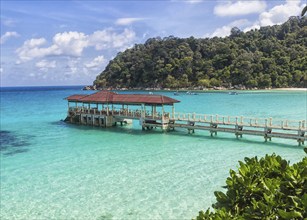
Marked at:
<point>269,188</point>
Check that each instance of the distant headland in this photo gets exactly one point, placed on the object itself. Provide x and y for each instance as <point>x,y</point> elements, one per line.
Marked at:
<point>94,87</point>
<point>271,57</point>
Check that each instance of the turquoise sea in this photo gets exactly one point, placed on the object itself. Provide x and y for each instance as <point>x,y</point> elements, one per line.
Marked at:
<point>52,170</point>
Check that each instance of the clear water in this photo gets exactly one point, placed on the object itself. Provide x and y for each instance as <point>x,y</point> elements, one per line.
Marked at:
<point>51,170</point>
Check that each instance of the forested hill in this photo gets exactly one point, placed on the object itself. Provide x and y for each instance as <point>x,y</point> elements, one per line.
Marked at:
<point>273,56</point>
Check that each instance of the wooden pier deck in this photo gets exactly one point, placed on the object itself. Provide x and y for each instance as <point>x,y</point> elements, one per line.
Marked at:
<point>266,127</point>
<point>150,111</point>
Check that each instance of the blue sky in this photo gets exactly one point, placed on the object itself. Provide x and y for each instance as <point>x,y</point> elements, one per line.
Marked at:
<point>71,42</point>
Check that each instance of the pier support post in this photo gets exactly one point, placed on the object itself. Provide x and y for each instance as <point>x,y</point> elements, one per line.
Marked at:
<point>212,125</point>
<point>191,130</point>
<point>266,132</point>
<point>300,138</point>
<point>238,129</point>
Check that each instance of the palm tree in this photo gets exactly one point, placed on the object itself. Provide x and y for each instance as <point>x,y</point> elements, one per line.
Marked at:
<point>304,11</point>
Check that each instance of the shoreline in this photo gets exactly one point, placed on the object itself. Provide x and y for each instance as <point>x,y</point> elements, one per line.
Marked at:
<point>217,89</point>
<point>291,89</point>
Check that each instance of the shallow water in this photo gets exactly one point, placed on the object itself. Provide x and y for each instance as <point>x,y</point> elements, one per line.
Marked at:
<point>57,171</point>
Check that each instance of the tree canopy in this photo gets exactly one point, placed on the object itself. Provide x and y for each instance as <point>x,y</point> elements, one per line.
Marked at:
<point>266,188</point>
<point>273,56</point>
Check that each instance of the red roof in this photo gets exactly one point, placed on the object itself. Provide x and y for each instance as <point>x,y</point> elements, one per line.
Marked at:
<point>75,98</point>
<point>114,98</point>
<point>98,97</point>
<point>142,98</point>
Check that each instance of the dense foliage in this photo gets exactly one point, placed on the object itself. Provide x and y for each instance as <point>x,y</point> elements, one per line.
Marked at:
<point>269,57</point>
<point>268,188</point>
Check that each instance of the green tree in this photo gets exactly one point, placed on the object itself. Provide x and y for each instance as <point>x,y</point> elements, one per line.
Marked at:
<point>204,82</point>
<point>269,57</point>
<point>266,188</point>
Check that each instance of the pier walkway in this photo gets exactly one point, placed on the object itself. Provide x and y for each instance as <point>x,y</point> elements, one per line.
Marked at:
<point>99,109</point>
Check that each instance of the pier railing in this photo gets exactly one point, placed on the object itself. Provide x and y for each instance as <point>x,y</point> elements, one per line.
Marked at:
<point>239,125</point>
<point>242,121</point>
<point>129,113</point>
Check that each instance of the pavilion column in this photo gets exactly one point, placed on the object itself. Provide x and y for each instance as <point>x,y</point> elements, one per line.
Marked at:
<point>68,108</point>
<point>162,113</point>
<point>173,111</point>
<point>143,110</point>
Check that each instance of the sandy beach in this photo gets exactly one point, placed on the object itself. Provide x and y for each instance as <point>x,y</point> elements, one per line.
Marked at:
<point>291,89</point>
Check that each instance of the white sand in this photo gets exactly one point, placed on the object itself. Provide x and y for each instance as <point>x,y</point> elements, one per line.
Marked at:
<point>292,89</point>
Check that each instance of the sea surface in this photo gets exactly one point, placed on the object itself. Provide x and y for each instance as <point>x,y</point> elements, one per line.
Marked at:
<point>52,170</point>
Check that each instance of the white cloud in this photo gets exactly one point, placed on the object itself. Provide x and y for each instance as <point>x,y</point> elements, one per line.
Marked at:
<point>280,13</point>
<point>7,36</point>
<point>254,26</point>
<point>127,21</point>
<point>109,39</point>
<point>44,65</point>
<point>73,43</point>
<point>32,49</point>
<point>1,70</point>
<point>70,43</point>
<point>72,66</point>
<point>35,42</point>
<point>239,8</point>
<point>95,62</point>
<point>225,30</point>
<point>221,32</point>
<point>67,43</point>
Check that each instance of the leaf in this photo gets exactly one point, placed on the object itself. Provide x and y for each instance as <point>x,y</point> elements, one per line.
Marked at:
<point>267,198</point>
<point>304,201</point>
<point>220,197</point>
<point>289,215</point>
<point>284,164</point>
<point>304,173</point>
<point>294,200</point>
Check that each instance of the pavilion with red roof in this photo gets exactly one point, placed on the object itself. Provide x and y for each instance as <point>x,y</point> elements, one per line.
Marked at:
<point>106,108</point>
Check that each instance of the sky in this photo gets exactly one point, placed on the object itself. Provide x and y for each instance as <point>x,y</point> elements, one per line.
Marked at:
<point>65,42</point>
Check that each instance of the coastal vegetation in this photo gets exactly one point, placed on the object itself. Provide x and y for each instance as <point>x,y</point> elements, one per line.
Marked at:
<point>273,56</point>
<point>266,188</point>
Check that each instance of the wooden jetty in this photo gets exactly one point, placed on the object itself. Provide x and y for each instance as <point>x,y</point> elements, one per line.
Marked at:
<point>106,109</point>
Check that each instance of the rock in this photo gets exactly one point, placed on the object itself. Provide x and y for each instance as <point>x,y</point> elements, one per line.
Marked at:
<point>90,87</point>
